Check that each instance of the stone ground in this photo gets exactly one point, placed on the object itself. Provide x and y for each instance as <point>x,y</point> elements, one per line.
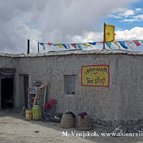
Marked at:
<point>14,129</point>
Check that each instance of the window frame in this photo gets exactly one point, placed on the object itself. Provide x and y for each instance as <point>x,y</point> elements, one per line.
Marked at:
<point>69,88</point>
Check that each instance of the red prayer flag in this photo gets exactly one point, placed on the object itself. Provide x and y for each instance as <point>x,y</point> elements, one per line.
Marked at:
<point>49,44</point>
<point>137,43</point>
<point>74,45</point>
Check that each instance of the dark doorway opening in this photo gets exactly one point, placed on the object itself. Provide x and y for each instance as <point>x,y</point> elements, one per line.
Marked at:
<point>7,96</point>
<point>26,85</point>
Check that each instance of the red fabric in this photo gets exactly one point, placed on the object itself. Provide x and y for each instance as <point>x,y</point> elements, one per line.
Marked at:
<point>47,106</point>
<point>52,101</point>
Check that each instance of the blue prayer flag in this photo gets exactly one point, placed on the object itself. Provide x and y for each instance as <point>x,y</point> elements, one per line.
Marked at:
<point>122,43</point>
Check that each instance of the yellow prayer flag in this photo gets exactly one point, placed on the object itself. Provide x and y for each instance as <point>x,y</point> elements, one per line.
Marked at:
<point>60,45</point>
<point>86,44</point>
<point>109,33</point>
<point>117,44</point>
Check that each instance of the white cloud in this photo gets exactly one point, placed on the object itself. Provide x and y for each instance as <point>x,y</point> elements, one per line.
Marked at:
<point>135,33</point>
<point>138,9</point>
<point>124,12</point>
<point>114,16</point>
<point>88,37</point>
<point>50,20</point>
<point>139,17</point>
<point>134,18</point>
<point>129,20</point>
<point>128,13</point>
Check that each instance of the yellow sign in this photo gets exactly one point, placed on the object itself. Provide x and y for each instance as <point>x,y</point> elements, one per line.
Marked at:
<point>95,75</point>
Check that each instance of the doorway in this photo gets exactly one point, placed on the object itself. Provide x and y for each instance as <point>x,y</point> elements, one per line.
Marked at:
<point>26,85</point>
<point>7,93</point>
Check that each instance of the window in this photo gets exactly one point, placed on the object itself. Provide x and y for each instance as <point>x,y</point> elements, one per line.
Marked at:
<point>69,84</point>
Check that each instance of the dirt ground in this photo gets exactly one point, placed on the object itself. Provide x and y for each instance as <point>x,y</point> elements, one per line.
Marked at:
<point>14,129</point>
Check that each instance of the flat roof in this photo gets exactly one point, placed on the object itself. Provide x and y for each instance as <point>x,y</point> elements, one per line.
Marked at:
<point>75,52</point>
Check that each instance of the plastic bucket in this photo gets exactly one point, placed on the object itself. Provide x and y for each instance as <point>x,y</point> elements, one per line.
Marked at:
<point>37,113</point>
<point>28,114</point>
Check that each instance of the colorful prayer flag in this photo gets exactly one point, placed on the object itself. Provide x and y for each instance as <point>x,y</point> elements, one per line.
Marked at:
<point>87,44</point>
<point>122,43</point>
<point>141,41</point>
<point>79,46</point>
<point>64,46</point>
<point>108,44</point>
<point>137,43</point>
<point>49,44</point>
<point>68,46</point>
<point>42,44</point>
<point>109,33</point>
<point>117,44</point>
<point>92,43</point>
<point>74,45</point>
<point>130,44</point>
<point>60,45</point>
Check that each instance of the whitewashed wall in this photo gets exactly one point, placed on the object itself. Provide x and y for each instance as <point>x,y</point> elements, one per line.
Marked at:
<point>122,100</point>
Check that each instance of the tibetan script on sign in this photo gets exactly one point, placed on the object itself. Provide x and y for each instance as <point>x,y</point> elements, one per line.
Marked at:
<point>95,75</point>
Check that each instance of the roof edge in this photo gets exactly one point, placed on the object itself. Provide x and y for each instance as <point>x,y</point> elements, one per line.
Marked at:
<point>76,52</point>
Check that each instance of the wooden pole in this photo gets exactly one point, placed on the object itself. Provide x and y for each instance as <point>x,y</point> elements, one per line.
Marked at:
<point>44,101</point>
<point>38,47</point>
<point>28,46</point>
<point>104,37</point>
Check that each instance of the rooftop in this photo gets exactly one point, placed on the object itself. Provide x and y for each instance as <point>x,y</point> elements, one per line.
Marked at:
<point>75,52</point>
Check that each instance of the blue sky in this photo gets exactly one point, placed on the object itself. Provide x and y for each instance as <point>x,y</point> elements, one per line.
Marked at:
<point>128,17</point>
